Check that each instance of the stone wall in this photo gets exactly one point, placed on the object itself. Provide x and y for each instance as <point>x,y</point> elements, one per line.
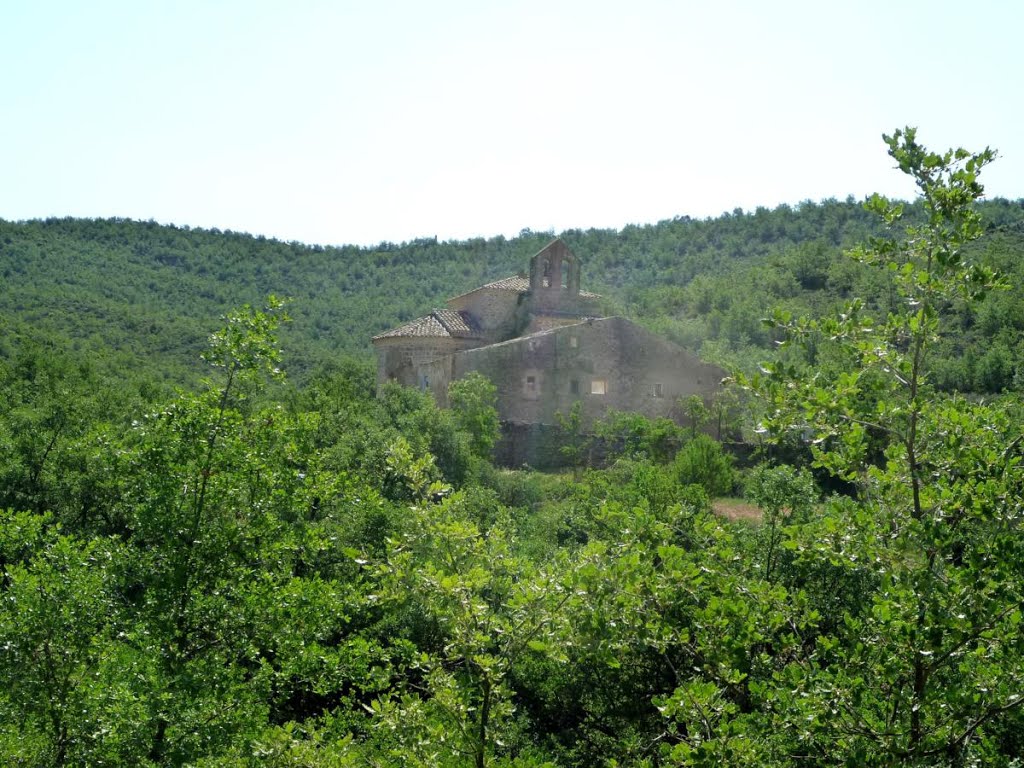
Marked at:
<point>534,445</point>
<point>499,313</point>
<point>422,363</point>
<point>606,363</point>
<point>545,322</point>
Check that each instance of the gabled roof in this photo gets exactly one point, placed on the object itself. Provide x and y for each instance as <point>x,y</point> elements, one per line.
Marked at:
<point>515,284</point>
<point>439,324</point>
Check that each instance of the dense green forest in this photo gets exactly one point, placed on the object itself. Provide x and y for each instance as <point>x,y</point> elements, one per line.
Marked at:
<point>141,297</point>
<point>262,568</point>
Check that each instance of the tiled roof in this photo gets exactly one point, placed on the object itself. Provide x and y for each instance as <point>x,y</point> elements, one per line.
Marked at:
<point>441,323</point>
<point>519,284</point>
<point>456,323</point>
<point>515,283</point>
<point>421,326</point>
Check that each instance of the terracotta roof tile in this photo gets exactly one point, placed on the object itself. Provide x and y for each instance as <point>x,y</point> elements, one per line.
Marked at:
<point>515,283</point>
<point>421,326</point>
<point>441,323</point>
<point>457,323</point>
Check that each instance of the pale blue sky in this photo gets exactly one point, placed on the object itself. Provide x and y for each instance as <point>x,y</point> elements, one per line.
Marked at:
<point>357,122</point>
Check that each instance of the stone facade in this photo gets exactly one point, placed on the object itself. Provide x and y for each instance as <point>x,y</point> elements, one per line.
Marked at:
<point>540,340</point>
<point>604,363</point>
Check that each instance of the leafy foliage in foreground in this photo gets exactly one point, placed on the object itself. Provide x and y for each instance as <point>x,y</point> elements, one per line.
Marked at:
<point>250,574</point>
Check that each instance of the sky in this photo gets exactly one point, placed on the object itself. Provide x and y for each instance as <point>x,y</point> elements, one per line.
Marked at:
<point>360,122</point>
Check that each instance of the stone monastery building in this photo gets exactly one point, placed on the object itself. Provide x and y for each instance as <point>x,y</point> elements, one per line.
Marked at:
<point>542,342</point>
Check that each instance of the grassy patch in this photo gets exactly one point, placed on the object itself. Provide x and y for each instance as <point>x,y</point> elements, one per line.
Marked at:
<point>736,509</point>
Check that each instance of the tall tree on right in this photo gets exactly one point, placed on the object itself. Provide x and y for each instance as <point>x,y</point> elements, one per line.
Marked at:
<point>928,664</point>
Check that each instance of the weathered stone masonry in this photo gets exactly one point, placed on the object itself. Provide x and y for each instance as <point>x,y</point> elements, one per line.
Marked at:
<point>540,341</point>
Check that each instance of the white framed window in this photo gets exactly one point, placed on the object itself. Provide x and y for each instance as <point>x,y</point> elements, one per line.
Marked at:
<point>657,389</point>
<point>599,386</point>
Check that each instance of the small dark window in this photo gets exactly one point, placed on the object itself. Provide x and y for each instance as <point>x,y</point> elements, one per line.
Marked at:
<point>574,387</point>
<point>531,383</point>
<point>658,390</point>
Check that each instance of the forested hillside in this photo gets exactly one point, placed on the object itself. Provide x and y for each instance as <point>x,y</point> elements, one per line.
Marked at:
<point>256,571</point>
<point>146,294</point>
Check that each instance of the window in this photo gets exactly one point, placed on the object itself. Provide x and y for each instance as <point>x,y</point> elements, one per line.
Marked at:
<point>657,390</point>
<point>531,384</point>
<point>574,387</point>
<point>574,342</point>
<point>599,387</point>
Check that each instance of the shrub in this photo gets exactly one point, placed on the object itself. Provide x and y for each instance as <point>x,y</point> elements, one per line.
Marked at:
<point>703,462</point>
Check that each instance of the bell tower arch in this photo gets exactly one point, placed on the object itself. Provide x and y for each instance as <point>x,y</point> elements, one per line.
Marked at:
<point>555,273</point>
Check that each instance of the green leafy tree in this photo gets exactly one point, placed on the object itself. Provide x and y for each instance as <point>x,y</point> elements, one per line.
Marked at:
<point>483,608</point>
<point>412,477</point>
<point>575,442</point>
<point>53,413</point>
<point>634,435</point>
<point>678,638</point>
<point>702,461</point>
<point>932,662</point>
<point>785,496</point>
<point>726,414</point>
<point>473,401</point>
<point>54,618</point>
<point>210,490</point>
<point>428,429</point>
<point>696,412</point>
